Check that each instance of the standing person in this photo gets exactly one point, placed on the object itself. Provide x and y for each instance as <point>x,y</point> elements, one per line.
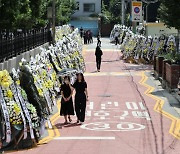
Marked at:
<point>91,37</point>
<point>85,37</point>
<point>98,41</point>
<point>116,35</point>
<point>98,55</point>
<point>81,32</point>
<point>81,97</point>
<point>67,108</point>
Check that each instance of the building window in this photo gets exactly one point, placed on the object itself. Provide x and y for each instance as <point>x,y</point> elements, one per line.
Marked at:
<point>77,5</point>
<point>89,7</point>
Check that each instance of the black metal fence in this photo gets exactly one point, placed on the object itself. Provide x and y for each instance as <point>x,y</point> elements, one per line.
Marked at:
<point>17,42</point>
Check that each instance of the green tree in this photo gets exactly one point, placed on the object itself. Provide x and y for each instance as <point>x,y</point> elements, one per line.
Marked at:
<point>169,13</point>
<point>14,14</point>
<point>64,10</point>
<point>111,11</point>
<point>106,15</point>
<point>28,14</point>
<point>39,12</point>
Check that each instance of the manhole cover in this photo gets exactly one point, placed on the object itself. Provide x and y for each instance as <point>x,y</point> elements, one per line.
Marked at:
<point>106,95</point>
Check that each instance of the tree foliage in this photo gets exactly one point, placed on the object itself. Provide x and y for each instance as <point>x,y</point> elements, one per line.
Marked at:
<point>169,13</point>
<point>111,11</point>
<point>64,10</point>
<point>28,14</point>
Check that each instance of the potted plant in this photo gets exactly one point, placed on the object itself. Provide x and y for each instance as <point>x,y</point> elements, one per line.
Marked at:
<point>159,65</point>
<point>172,69</point>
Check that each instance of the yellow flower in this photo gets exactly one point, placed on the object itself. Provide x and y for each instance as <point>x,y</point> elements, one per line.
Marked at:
<point>17,109</point>
<point>49,84</point>
<point>54,76</point>
<point>44,73</point>
<point>9,94</point>
<point>18,82</point>
<point>40,92</point>
<point>5,79</point>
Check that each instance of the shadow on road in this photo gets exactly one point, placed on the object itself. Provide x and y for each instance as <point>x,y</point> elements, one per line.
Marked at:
<point>61,125</point>
<point>164,93</point>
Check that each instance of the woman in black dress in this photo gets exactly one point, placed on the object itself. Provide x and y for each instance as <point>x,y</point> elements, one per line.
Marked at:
<point>98,55</point>
<point>67,108</point>
<point>81,97</point>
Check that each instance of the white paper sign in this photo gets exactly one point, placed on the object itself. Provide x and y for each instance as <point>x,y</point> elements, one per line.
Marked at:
<point>137,11</point>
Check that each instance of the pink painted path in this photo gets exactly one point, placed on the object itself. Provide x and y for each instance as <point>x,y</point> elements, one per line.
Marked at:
<point>120,118</point>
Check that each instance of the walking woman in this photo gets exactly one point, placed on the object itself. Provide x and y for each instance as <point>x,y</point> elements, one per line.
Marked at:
<point>67,108</point>
<point>98,55</point>
<point>81,97</point>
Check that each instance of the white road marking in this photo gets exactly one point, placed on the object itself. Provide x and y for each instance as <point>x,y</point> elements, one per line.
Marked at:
<point>85,138</point>
<point>116,104</point>
<point>131,105</point>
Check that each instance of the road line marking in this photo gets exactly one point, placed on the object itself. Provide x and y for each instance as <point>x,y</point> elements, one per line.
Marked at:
<point>174,129</point>
<point>116,104</point>
<point>85,138</point>
<point>52,132</point>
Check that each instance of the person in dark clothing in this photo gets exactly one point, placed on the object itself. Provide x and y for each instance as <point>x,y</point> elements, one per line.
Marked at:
<point>67,107</point>
<point>88,36</point>
<point>81,97</point>
<point>81,32</point>
<point>98,41</point>
<point>85,37</point>
<point>91,37</point>
<point>98,55</point>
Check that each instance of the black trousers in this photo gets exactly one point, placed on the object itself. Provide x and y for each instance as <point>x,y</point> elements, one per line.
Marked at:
<point>98,62</point>
<point>117,40</point>
<point>80,107</point>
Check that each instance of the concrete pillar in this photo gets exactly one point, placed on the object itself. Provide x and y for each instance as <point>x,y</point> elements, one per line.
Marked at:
<point>18,59</point>
<point>5,67</point>
<point>1,66</point>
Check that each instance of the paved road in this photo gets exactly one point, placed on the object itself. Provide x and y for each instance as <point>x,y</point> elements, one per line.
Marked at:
<point>126,113</point>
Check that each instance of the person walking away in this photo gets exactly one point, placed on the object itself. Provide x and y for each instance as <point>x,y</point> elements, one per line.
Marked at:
<point>116,35</point>
<point>91,37</point>
<point>87,36</point>
<point>98,41</point>
<point>81,97</point>
<point>84,36</point>
<point>67,108</point>
<point>81,32</point>
<point>98,55</point>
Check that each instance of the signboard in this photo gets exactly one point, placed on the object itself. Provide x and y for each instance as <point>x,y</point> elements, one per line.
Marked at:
<point>137,11</point>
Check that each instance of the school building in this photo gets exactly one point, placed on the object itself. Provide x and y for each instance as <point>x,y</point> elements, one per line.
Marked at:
<point>86,15</point>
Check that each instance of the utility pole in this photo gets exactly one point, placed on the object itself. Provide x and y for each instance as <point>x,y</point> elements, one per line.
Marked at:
<point>54,20</point>
<point>122,12</point>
